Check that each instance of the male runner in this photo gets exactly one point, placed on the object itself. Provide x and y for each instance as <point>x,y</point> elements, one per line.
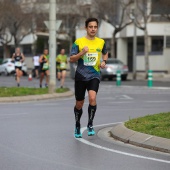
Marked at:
<point>44,67</point>
<point>87,51</point>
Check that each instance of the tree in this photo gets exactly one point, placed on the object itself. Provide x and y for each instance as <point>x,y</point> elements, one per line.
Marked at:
<point>15,23</point>
<point>117,14</point>
<point>142,18</point>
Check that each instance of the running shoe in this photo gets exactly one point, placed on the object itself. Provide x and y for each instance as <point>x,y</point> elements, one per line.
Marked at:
<point>40,85</point>
<point>46,85</point>
<point>90,131</point>
<point>18,85</point>
<point>77,133</point>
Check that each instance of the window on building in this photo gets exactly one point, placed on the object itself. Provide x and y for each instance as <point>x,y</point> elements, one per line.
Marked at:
<point>157,44</point>
<point>159,7</point>
<point>167,41</point>
<point>27,49</point>
<point>140,46</point>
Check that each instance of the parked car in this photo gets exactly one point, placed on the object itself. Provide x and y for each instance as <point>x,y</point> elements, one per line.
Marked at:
<point>113,65</point>
<point>7,67</point>
<point>109,72</point>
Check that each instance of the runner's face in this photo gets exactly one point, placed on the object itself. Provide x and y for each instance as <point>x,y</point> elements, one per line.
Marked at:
<point>62,51</point>
<point>46,52</point>
<point>17,50</point>
<point>92,29</point>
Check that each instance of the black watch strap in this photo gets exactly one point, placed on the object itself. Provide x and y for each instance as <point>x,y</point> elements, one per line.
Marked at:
<point>105,61</point>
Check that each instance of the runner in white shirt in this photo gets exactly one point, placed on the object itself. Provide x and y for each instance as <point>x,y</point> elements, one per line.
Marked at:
<point>36,65</point>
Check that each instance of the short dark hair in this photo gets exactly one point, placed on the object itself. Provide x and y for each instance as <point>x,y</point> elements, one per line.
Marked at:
<point>90,20</point>
<point>45,49</point>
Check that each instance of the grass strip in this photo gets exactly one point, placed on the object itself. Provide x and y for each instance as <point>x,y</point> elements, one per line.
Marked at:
<point>157,124</point>
<point>24,91</point>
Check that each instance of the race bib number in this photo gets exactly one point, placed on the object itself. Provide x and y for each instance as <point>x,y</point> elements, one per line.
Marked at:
<point>62,65</point>
<point>90,59</point>
<point>45,66</point>
<point>18,64</point>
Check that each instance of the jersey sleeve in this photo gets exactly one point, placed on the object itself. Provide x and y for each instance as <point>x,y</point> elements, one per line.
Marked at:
<point>74,49</point>
<point>104,50</point>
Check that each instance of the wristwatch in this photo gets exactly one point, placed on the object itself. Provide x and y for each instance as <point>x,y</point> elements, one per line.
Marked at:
<point>105,61</point>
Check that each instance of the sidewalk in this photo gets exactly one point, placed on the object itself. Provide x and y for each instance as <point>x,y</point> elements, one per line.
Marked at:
<point>120,132</point>
<point>156,77</point>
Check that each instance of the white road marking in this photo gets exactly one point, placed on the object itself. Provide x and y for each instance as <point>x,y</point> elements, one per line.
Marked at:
<point>163,101</point>
<point>46,104</point>
<point>116,151</point>
<point>13,114</point>
<point>121,102</point>
<point>122,97</point>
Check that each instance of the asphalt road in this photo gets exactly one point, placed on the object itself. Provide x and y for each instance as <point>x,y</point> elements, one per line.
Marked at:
<point>39,135</point>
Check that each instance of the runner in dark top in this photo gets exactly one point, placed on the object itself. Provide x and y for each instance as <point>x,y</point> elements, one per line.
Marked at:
<point>44,67</point>
<point>18,59</point>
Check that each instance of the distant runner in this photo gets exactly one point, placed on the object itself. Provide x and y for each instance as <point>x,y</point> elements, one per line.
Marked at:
<point>44,67</point>
<point>18,59</point>
<point>61,61</point>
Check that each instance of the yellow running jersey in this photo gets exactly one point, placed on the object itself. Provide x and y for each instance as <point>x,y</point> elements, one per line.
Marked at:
<point>89,64</point>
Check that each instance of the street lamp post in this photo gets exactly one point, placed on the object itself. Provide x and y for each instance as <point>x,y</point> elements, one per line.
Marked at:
<point>134,41</point>
<point>52,45</point>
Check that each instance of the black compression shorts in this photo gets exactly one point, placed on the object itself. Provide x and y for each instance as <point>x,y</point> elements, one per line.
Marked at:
<point>82,86</point>
<point>20,68</point>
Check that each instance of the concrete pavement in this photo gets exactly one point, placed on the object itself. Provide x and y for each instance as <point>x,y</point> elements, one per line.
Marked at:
<point>119,132</point>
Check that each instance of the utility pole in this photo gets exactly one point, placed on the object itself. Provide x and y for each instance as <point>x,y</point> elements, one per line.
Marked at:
<point>52,45</point>
<point>134,41</point>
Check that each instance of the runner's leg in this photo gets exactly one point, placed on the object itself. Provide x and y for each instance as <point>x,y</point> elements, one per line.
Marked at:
<point>41,78</point>
<point>80,89</point>
<point>47,77</point>
<point>92,107</point>
<point>93,86</point>
<point>63,75</point>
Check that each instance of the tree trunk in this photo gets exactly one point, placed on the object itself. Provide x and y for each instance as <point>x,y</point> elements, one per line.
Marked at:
<point>146,53</point>
<point>113,46</point>
<point>6,51</point>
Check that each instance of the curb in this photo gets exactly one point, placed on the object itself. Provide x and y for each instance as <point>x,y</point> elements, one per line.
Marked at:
<point>35,97</point>
<point>120,132</point>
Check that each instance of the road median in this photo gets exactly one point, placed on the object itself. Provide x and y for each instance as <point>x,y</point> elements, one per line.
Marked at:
<point>36,97</point>
<point>120,132</point>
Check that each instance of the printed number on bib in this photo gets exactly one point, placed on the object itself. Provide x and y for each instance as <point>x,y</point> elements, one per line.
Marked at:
<point>62,65</point>
<point>90,59</point>
<point>18,64</point>
<point>45,66</point>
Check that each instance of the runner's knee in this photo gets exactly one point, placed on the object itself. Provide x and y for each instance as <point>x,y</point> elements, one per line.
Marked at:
<point>79,104</point>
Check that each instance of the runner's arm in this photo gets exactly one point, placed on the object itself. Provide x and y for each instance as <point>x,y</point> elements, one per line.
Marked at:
<point>23,57</point>
<point>40,59</point>
<point>103,63</point>
<point>74,58</point>
<point>13,56</point>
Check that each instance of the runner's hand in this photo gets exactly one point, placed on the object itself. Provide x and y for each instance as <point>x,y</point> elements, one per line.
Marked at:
<point>85,49</point>
<point>102,64</point>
